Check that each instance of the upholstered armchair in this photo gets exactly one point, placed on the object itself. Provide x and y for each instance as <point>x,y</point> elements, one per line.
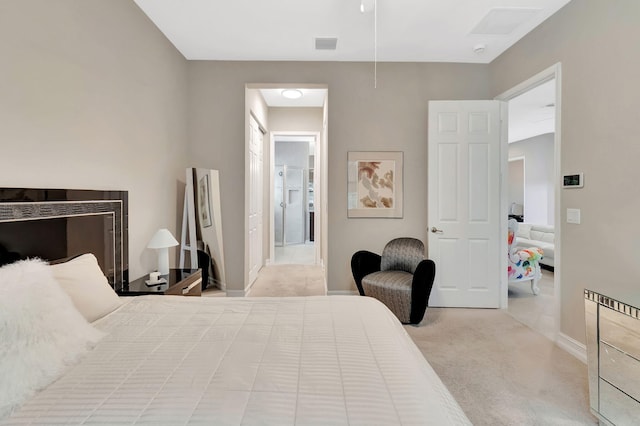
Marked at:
<point>524,264</point>
<point>401,277</point>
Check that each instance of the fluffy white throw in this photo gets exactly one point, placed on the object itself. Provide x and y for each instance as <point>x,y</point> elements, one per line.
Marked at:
<point>41,332</point>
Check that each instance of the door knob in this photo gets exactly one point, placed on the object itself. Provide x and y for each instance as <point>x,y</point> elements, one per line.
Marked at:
<point>281,204</point>
<point>436,230</point>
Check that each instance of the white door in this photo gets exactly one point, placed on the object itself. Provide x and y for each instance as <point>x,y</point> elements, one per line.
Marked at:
<point>255,199</point>
<point>294,197</point>
<point>464,202</point>
<point>278,206</point>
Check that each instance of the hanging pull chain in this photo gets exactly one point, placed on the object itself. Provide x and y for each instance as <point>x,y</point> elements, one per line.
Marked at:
<point>375,44</point>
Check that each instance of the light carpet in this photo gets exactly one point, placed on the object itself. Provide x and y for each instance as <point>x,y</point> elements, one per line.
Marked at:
<point>500,371</point>
<point>289,280</point>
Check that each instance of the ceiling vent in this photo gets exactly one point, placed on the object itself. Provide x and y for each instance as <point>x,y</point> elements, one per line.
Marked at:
<point>503,20</point>
<point>326,43</point>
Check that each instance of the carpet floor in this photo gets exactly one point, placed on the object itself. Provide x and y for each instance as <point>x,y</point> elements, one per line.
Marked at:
<point>502,372</point>
<point>301,280</point>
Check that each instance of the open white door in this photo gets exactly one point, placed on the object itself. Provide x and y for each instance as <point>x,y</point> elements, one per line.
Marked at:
<point>464,202</point>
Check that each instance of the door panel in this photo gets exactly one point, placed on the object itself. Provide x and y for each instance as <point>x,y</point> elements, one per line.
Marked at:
<point>464,202</point>
<point>448,182</point>
<point>479,181</point>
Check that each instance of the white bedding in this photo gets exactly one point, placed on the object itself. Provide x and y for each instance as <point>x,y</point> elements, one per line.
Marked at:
<point>324,360</point>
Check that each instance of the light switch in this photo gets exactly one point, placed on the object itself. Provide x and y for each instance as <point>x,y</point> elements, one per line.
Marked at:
<point>573,216</point>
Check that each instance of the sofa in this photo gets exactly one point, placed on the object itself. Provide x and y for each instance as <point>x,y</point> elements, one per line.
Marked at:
<point>542,236</point>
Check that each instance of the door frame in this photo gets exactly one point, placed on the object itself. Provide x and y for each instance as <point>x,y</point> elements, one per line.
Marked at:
<point>554,71</point>
<point>316,188</point>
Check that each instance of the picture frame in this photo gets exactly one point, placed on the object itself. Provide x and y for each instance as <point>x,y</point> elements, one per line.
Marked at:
<point>374,184</point>
<point>204,202</point>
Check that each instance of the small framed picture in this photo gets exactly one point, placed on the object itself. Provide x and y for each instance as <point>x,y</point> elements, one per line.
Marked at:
<point>204,202</point>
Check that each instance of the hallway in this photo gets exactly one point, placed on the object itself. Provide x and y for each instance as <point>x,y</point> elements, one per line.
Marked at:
<point>289,280</point>
<point>299,254</point>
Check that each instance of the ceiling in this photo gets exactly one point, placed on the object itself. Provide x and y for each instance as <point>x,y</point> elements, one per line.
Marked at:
<point>406,30</point>
<point>533,113</point>
<point>310,98</point>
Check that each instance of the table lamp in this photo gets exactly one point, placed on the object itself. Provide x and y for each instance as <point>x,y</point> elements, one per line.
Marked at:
<point>161,241</point>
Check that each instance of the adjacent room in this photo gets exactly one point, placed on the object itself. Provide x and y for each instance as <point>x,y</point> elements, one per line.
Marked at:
<point>182,244</point>
<point>531,199</point>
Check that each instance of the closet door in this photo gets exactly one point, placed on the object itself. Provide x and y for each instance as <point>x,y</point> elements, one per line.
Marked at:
<point>255,199</point>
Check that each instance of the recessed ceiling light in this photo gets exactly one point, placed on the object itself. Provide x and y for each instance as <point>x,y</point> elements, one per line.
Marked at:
<point>292,93</point>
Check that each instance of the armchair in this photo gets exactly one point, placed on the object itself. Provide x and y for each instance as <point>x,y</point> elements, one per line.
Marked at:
<point>524,265</point>
<point>401,277</point>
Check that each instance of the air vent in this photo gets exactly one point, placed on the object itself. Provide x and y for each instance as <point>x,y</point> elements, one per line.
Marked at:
<point>326,43</point>
<point>503,20</point>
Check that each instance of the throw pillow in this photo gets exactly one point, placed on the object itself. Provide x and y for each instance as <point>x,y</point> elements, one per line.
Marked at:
<point>83,280</point>
<point>41,332</point>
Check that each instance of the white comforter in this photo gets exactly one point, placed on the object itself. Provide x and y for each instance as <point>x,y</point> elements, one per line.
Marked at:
<point>336,360</point>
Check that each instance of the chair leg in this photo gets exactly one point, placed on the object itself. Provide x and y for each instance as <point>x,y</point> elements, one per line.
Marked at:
<point>534,286</point>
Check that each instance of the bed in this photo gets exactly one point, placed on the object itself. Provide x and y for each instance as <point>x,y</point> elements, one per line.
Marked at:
<point>325,360</point>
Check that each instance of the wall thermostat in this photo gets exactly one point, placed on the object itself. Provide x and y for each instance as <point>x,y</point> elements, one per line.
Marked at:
<point>575,180</point>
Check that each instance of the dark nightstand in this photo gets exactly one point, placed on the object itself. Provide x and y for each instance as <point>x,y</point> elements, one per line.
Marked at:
<point>180,282</point>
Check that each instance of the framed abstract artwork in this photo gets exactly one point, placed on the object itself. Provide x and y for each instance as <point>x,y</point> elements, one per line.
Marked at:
<point>374,185</point>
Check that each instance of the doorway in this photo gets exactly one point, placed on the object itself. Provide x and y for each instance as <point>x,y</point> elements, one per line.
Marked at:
<point>292,195</point>
<point>532,194</point>
<point>293,199</point>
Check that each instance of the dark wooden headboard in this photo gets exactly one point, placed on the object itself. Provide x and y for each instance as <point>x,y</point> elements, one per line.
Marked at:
<point>55,224</point>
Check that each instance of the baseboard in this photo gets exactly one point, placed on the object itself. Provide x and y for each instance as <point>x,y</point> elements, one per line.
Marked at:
<point>236,293</point>
<point>342,293</point>
<point>572,346</point>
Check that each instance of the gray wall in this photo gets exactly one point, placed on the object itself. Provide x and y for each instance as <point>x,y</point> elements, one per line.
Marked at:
<point>93,96</point>
<point>597,43</point>
<point>515,182</point>
<point>361,118</point>
<point>292,154</point>
<point>538,177</point>
<point>308,119</point>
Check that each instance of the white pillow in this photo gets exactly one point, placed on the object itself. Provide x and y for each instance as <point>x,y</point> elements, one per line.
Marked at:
<point>83,280</point>
<point>41,332</point>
